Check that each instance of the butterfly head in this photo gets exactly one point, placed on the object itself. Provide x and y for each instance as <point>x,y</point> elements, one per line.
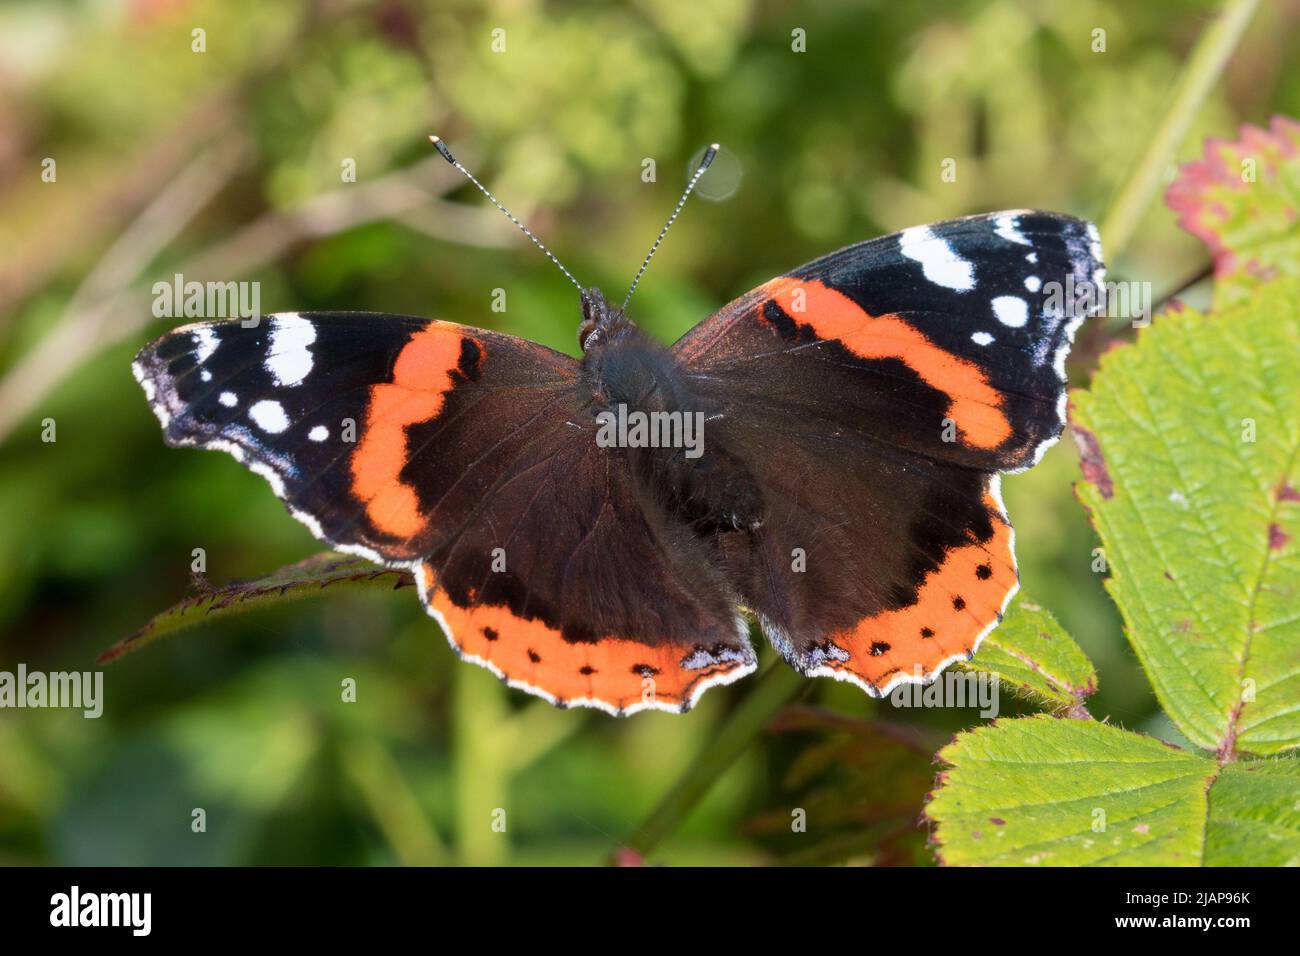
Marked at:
<point>602,322</point>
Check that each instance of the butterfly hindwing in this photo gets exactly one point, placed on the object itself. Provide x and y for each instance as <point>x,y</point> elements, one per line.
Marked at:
<point>874,395</point>
<point>466,456</point>
<point>564,583</point>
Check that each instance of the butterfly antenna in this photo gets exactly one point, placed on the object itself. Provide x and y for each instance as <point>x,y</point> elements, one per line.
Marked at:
<point>442,149</point>
<point>709,154</point>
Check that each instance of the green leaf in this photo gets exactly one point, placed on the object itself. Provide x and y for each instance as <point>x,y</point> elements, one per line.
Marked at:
<point>1034,791</point>
<point>1033,654</point>
<point>1255,815</point>
<point>1189,443</point>
<point>1044,791</point>
<point>306,578</point>
<point>1243,200</point>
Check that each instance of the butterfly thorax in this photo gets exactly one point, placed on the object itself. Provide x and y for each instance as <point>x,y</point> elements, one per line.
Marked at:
<point>625,367</point>
<point>639,396</point>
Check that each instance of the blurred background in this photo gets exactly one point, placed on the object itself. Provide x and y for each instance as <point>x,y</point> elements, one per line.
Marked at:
<point>224,154</point>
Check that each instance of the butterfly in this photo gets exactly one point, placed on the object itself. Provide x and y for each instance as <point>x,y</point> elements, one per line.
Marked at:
<point>822,454</point>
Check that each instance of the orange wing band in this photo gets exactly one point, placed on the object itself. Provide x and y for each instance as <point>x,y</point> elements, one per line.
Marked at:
<point>975,405</point>
<point>620,676</point>
<point>422,377</point>
<point>955,606</point>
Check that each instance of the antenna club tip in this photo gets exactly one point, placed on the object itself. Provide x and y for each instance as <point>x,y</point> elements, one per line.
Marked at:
<point>442,149</point>
<point>709,155</point>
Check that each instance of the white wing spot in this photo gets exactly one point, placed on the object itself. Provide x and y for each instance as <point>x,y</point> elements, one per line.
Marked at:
<point>1094,244</point>
<point>269,416</point>
<point>940,264</point>
<point>229,399</point>
<point>1033,283</point>
<point>289,357</point>
<point>205,343</point>
<point>1032,258</point>
<point>1011,310</point>
<point>138,371</point>
<point>1009,229</point>
<point>319,433</point>
<point>981,338</point>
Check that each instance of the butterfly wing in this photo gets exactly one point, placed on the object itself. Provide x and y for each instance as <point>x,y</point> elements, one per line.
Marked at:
<point>464,455</point>
<point>875,395</point>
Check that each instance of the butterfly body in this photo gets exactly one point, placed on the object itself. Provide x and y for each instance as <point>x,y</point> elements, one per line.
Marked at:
<point>824,452</point>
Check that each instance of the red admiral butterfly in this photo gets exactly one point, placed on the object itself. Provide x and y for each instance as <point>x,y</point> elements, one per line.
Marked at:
<point>855,415</point>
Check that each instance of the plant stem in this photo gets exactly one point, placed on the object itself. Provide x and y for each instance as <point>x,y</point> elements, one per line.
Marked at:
<point>480,763</point>
<point>393,806</point>
<point>1209,57</point>
<point>775,687</point>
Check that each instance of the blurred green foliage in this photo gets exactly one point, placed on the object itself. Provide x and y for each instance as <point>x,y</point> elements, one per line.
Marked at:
<point>827,147</point>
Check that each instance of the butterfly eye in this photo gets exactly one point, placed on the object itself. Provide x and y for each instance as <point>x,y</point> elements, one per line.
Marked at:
<point>589,334</point>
